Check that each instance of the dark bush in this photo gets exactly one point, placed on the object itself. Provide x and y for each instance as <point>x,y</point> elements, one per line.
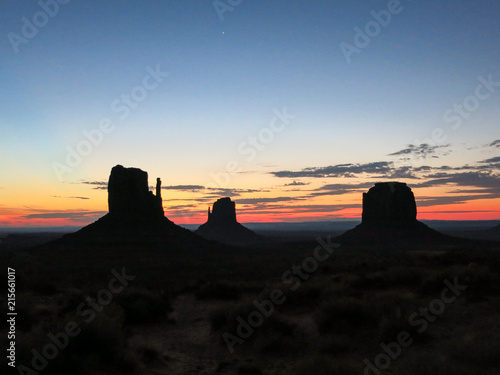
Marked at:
<point>142,306</point>
<point>219,290</point>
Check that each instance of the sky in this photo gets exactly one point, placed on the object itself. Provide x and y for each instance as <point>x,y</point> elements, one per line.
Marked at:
<point>291,108</point>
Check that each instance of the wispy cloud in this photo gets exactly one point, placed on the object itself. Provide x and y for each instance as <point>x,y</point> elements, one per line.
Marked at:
<point>477,179</point>
<point>423,151</point>
<point>339,170</point>
<point>267,200</point>
<point>495,144</point>
<point>58,196</point>
<point>230,192</point>
<point>491,160</point>
<point>100,183</point>
<point>297,183</point>
<point>97,185</point>
<point>183,187</point>
<point>340,189</point>
<point>70,215</point>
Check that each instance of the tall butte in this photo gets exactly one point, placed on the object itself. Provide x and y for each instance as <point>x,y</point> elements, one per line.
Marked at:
<point>390,218</point>
<point>129,197</point>
<point>222,225</point>
<point>135,213</point>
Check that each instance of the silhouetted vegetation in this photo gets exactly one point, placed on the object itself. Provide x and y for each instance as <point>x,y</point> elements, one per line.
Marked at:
<point>173,314</point>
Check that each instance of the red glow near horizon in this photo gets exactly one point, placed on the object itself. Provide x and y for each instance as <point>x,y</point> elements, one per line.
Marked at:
<point>281,215</point>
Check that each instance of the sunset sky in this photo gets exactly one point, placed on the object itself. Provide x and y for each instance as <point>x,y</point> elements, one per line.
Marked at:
<point>292,108</point>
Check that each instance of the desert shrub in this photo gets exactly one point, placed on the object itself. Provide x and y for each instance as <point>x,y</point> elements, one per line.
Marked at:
<point>404,276</point>
<point>45,288</point>
<point>149,354</point>
<point>393,277</point>
<point>429,363</point>
<point>71,299</point>
<point>222,365</point>
<point>333,344</point>
<point>391,326</point>
<point>388,311</point>
<point>392,301</point>
<point>224,290</point>
<point>274,334</point>
<point>480,348</point>
<point>100,345</point>
<point>364,281</point>
<point>219,317</point>
<point>26,341</point>
<point>478,279</point>
<point>307,295</point>
<point>28,312</point>
<point>40,283</point>
<point>322,365</point>
<point>249,370</point>
<point>142,306</point>
<point>395,309</point>
<point>278,335</point>
<point>344,315</point>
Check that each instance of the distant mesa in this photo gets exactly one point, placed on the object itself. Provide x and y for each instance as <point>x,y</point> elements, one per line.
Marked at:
<point>390,218</point>
<point>135,213</point>
<point>224,211</point>
<point>222,225</point>
<point>389,202</point>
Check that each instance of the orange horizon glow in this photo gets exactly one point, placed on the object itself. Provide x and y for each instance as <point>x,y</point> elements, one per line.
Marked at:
<point>445,212</point>
<point>84,205</point>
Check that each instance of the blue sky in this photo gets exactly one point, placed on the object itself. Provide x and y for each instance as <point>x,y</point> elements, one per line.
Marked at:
<point>226,77</point>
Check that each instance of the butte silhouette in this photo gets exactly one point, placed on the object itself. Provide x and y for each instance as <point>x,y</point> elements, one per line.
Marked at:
<point>390,218</point>
<point>135,214</point>
<point>222,225</point>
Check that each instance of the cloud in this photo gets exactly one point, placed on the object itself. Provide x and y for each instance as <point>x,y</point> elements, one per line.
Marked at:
<point>477,179</point>
<point>495,144</point>
<point>183,187</point>
<point>339,189</point>
<point>70,215</point>
<point>286,209</point>
<point>267,200</point>
<point>98,185</point>
<point>422,151</point>
<point>339,170</point>
<point>491,161</point>
<point>297,183</point>
<point>441,200</point>
<point>403,172</point>
<point>459,211</point>
<point>214,193</point>
<point>182,207</point>
<point>58,196</point>
<point>481,185</point>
